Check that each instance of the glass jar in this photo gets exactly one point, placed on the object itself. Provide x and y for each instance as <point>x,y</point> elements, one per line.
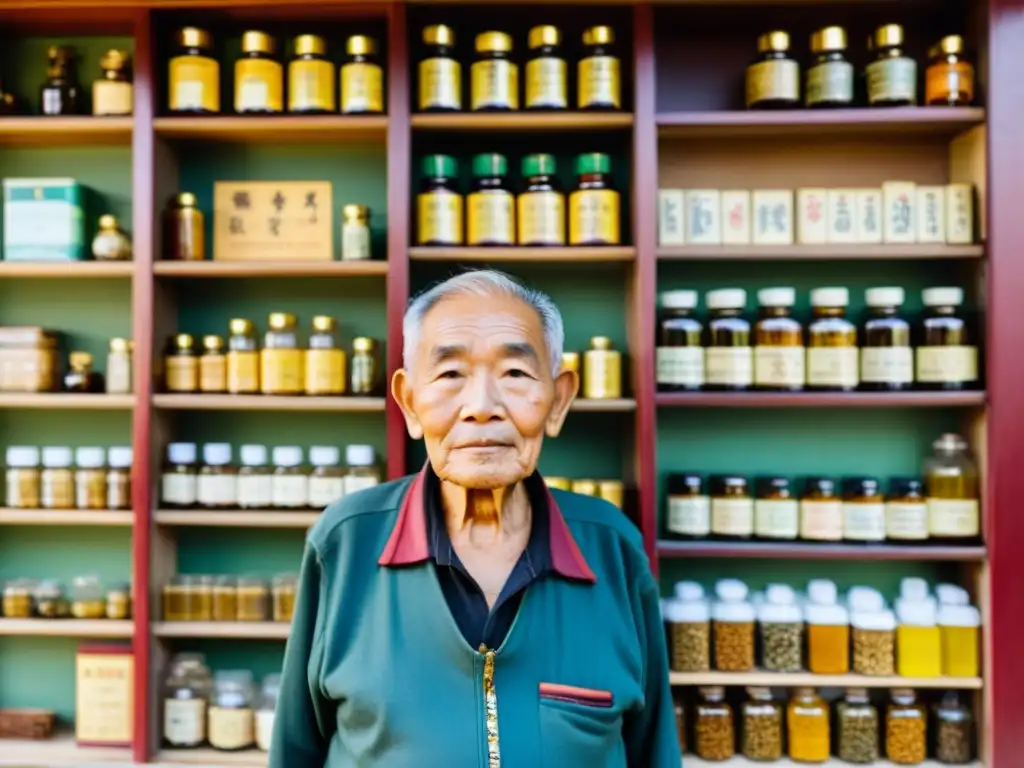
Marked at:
<point>949,78</point>
<point>713,725</point>
<point>905,729</point>
<point>88,600</point>
<point>80,376</point>
<point>187,690</point>
<point>49,601</point>
<point>439,204</point>
<point>951,480</point>
<point>779,356</point>
<point>599,78</point>
<point>355,233</point>
<point>243,358</point>
<point>833,361</point>
<point>821,511</point>
<point>762,726</point>
<point>546,70</point>
<point>440,74</point>
<point>584,487</point>
<point>954,731</point>
<point>363,471</point>
<point>602,370</point>
<point>17,600</point>
<point>886,357</point>
<point>540,207</point>
<point>960,632</point>
<point>57,480</point>
<point>782,631</point>
<point>22,477</point>
<point>918,639</point>
<point>284,588</point>
<point>201,605</point>
<point>259,76</point>
<point>184,230</point>
<point>689,635</point>
<point>311,88</point>
<point>327,480</point>
<point>61,94</point>
<point>213,369</point>
<point>290,487</point>
<point>265,711</point>
<point>732,507</point>
<point>112,93</point>
<point>733,616</point>
<point>490,205</point>
<point>119,602</point>
<point>362,80</point>
<point>729,358</point>
<point>119,477</point>
<point>688,507</point>
<point>325,359</point>
<point>945,356</point>
<point>365,370</point>
<point>874,643</point>
<point>253,599</point>
<point>906,510</point>
<point>892,76</point>
<point>281,361</point>
<point>773,80</point>
<point>231,721</point>
<point>176,598</point>
<point>194,74</point>
<point>593,205</point>
<point>255,478</point>
<point>90,478</point>
<point>863,510</point>
<point>119,367</point>
<point>776,511</point>
<point>857,723</point>
<point>494,79</point>
<point>217,486</point>
<point>181,364</point>
<point>807,718</point>
<point>828,630</point>
<point>680,352</point>
<point>111,243</point>
<point>179,479</point>
<point>830,76</point>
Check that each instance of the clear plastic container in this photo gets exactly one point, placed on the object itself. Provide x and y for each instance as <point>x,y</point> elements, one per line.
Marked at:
<point>782,630</point>
<point>714,730</point>
<point>906,729</point>
<point>807,718</point>
<point>232,723</point>
<point>762,726</point>
<point>960,633</point>
<point>857,723</point>
<point>874,643</point>
<point>689,634</point>
<point>187,690</point>
<point>733,628</point>
<point>828,630</point>
<point>954,731</point>
<point>918,639</point>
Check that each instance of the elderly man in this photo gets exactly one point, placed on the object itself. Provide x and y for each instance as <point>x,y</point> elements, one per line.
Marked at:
<point>468,616</point>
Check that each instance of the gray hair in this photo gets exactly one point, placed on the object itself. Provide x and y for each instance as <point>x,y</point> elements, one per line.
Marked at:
<point>485,282</point>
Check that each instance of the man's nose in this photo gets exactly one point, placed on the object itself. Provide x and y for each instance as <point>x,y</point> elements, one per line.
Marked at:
<point>483,399</point>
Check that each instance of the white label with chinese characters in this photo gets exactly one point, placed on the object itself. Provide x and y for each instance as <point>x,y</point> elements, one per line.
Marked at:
<point>703,216</point>
<point>947,365</point>
<point>732,517</point>
<point>735,217</point>
<point>931,214</point>
<point>821,520</point>
<point>290,491</point>
<point>864,522</point>
<point>953,517</point>
<point>887,365</point>
<point>188,94</point>
<point>777,518</point>
<point>842,210</point>
<point>812,221</point>
<point>959,214</point>
<point>178,488</point>
<point>773,217</point>
<point>729,366</point>
<point>680,366</point>
<point>779,366</point>
<point>906,520</point>
<point>869,216</point>
<point>833,367</point>
<point>689,515</point>
<point>216,490</point>
<point>671,217</point>
<point>899,199</point>
<point>252,94</point>
<point>185,722</point>
<point>255,490</point>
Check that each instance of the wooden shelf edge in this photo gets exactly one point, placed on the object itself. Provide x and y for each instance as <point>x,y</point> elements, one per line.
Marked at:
<point>114,517</point>
<point>692,761</point>
<point>60,751</point>
<point>369,268</point>
<point>308,403</point>
<point>252,758</point>
<point>811,551</point>
<point>819,399</point>
<point>798,679</point>
<point>618,405</point>
<point>240,518</point>
<point>253,630</point>
<point>552,255</point>
<point>272,127</point>
<point>65,628</point>
<point>66,269</point>
<point>79,130</point>
<point>66,401</point>
<point>833,251</point>
<point>522,121</point>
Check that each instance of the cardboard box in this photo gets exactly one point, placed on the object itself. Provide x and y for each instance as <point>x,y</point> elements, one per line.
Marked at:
<point>704,216</point>
<point>736,223</point>
<point>842,216</point>
<point>44,220</point>
<point>959,214</point>
<point>931,214</point>
<point>812,216</point>
<point>899,223</point>
<point>671,217</point>
<point>773,216</point>
<point>869,215</point>
<point>104,695</point>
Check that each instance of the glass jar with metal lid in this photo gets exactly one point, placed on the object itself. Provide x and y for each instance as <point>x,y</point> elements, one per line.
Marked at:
<point>821,510</point>
<point>22,477</point>
<point>773,81</point>
<point>863,510</point>
<point>243,358</point>
<point>906,510</point>
<point>364,366</point>
<point>181,364</point>
<point>951,483</point>
<point>490,205</point>
<point>87,598</point>
<point>688,507</point>
<point>362,81</point>
<point>761,719</point>
<point>119,366</point>
<point>213,365</point>
<point>779,355</point>
<point>194,73</point>
<point>602,370</point>
<point>57,480</point>
<point>540,207</point>
<point>17,599</point>
<point>954,726</point>
<point>112,93</point>
<point>599,78</point>
<point>949,78</point>
<point>713,726</point>
<point>355,233</point>
<point>729,357</point>
<point>439,204</point>
<point>830,76</point>
<point>184,235</point>
<point>732,507</point>
<point>776,510</point>
<point>886,357</point>
<point>892,76</point>
<point>259,77</point>
<point>231,723</point>
<point>283,589</point>
<point>266,711</point>
<point>311,87</point>
<point>594,204</point>
<point>111,243</point>
<point>857,723</point>
<point>945,356</point>
<point>680,351</point>
<point>281,362</point>
<point>494,78</point>
<point>49,601</point>
<point>325,359</point>
<point>187,690</point>
<point>833,361</point>
<point>440,74</point>
<point>545,70</point>
<point>906,727</point>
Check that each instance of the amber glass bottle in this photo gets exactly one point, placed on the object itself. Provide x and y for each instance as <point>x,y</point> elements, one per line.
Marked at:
<point>886,358</point>
<point>729,358</point>
<point>946,358</point>
<point>259,77</point>
<point>779,357</point>
<point>832,359</point>
<point>773,81</point>
<point>949,79</point>
<point>680,354</point>
<point>830,76</point>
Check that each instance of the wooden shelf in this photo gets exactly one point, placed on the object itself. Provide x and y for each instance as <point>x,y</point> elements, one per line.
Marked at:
<point>832,252</point>
<point>252,630</point>
<point>619,405</point>
<point>570,254</point>
<point>59,752</point>
<point>65,628</point>
<point>63,517</point>
<point>692,761</point>
<point>270,268</point>
<point>523,121</point>
<point>800,679</point>
<point>268,403</point>
<point>66,269</point>
<point>252,758</point>
<point>811,551</point>
<point>272,129</point>
<point>42,131</point>
<point>820,399</point>
<point>934,121</point>
<point>66,401</point>
<point>238,518</point>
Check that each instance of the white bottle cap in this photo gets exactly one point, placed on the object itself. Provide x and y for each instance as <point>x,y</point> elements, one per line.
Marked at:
<point>884,297</point>
<point>726,298</point>
<point>324,455</point>
<point>952,594</point>
<point>780,594</point>
<point>776,297</point>
<point>780,613</point>
<point>217,454</point>
<point>686,611</point>
<point>120,457</point>
<point>827,614</point>
<point>22,456</point>
<point>959,616</point>
<point>830,297</point>
<point>253,455</point>
<point>866,599</point>
<point>822,591</point>
<point>688,590</point>
<point>90,457</point>
<point>916,613</point>
<point>913,588</point>
<point>181,453</point>
<point>679,299</point>
<point>359,456</point>
<point>942,297</point>
<point>731,589</point>
<point>57,457</point>
<point>877,621</point>
<point>287,456</point>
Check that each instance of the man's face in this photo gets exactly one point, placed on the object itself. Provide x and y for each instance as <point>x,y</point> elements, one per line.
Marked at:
<point>481,393</point>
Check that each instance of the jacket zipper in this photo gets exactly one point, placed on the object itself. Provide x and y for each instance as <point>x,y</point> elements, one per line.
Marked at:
<point>490,709</point>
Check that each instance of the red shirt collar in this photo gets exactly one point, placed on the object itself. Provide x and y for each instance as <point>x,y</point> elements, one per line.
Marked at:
<point>408,541</point>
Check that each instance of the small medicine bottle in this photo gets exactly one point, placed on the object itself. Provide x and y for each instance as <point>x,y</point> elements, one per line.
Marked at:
<point>61,94</point>
<point>194,74</point>
<point>949,78</point>
<point>886,358</point>
<point>325,359</point>
<point>184,233</point>
<point>217,486</point>
<point>311,89</point>
<point>546,70</point>
<point>181,364</point>
<point>821,511</point>
<point>490,205</point>
<point>362,471</point>
<point>355,233</point>
<point>540,208</point>
<point>602,370</point>
<point>90,478</point>
<point>863,510</point>
<point>232,724</point>
<point>57,480</point>
<point>327,480</point>
<point>951,488</point>
<point>833,361</point>
<point>776,510</point>
<point>112,93</point>
<point>243,358</point>
<point>857,726</point>
<point>906,510</point>
<point>440,74</point>
<point>732,507</point>
<point>255,478</point>
<point>830,76</point>
<point>259,77</point>
<point>80,376</point>
<point>179,479</point>
<point>213,365</point>
<point>729,357</point>
<point>119,477</point>
<point>111,243</point>
<point>779,355</point>
<point>290,488</point>
<point>773,81</point>
<point>22,477</point>
<point>599,78</point>
<point>364,366</point>
<point>362,80</point>
<point>439,205</point>
<point>892,76</point>
<point>593,205</point>
<point>679,353</point>
<point>119,367</point>
<point>282,369</point>
<point>494,78</point>
<point>688,507</point>
<point>945,356</point>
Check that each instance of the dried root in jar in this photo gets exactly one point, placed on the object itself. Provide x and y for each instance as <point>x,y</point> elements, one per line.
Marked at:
<point>905,740</point>
<point>953,742</point>
<point>691,646</point>
<point>762,735</point>
<point>874,652</point>
<point>734,646</point>
<point>715,738</point>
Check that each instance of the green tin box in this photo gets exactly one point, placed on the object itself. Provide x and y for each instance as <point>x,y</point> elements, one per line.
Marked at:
<point>44,220</point>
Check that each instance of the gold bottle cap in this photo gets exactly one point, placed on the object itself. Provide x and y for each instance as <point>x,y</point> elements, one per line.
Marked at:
<point>280,321</point>
<point>561,483</point>
<point>255,41</point>
<point>439,34</point>
<point>310,44</point>
<point>194,37</point>
<point>773,41</point>
<point>356,212</point>
<point>493,42</point>
<point>362,344</point>
<point>108,221</point>
<point>117,344</point>
<point>544,35</point>
<point>213,343</point>
<point>324,323</point>
<point>828,39</point>
<point>571,361</point>
<point>62,53</point>
<point>240,326</point>
<point>184,200</point>
<point>949,45</point>
<point>114,59</point>
<point>600,342</point>
<point>80,360</point>
<point>585,487</point>
<point>886,35</point>
<point>361,45</point>
<point>184,341</point>
<point>598,36</point>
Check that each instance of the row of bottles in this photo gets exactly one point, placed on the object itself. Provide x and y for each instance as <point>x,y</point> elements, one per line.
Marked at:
<point>62,94</point>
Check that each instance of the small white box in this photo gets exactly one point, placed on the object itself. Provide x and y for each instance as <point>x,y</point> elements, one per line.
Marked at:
<point>773,216</point>
<point>869,215</point>
<point>736,217</point>
<point>959,214</point>
<point>671,217</point>
<point>931,214</point>
<point>812,216</point>
<point>842,216</point>
<point>703,216</point>
<point>898,220</point>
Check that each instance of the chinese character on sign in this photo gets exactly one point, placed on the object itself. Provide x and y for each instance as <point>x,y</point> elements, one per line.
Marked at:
<point>771,219</point>
<point>236,225</point>
<point>844,217</point>
<point>736,216</point>
<point>311,205</point>
<point>901,215</point>
<point>931,215</point>
<point>700,218</point>
<point>814,212</point>
<point>242,201</point>
<point>275,221</point>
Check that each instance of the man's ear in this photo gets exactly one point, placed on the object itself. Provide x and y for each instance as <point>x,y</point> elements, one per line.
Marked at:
<point>567,384</point>
<point>401,390</point>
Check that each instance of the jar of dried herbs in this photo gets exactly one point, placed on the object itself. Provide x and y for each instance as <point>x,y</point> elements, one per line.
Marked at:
<point>857,721</point>
<point>874,642</point>
<point>906,729</point>
<point>782,630</point>
<point>733,617</point>
<point>809,732</point>
<point>689,632</point>
<point>762,726</point>
<point>713,725</point>
<point>954,726</point>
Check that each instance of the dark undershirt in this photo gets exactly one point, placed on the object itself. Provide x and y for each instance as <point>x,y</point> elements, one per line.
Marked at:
<point>478,624</point>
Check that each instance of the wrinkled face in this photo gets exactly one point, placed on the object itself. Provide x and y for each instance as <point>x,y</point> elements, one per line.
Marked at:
<point>480,391</point>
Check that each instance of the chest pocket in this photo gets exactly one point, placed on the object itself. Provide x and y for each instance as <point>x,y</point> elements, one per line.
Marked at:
<point>580,730</point>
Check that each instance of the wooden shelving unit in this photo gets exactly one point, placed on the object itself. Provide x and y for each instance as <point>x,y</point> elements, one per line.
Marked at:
<point>821,399</point>
<point>60,752</point>
<point>65,628</point>
<point>818,252</point>
<point>238,630</point>
<point>74,270</point>
<point>692,761</point>
<point>67,517</point>
<point>767,550</point>
<point>272,129</point>
<point>539,255</point>
<point>42,131</point>
<point>65,401</point>
<point>806,679</point>
<point>295,268</point>
<point>250,758</point>
<point>617,405</point>
<point>521,122</point>
<point>241,518</point>
<point>268,403</point>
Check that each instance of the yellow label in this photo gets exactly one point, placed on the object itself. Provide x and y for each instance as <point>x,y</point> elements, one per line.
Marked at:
<point>906,520</point>
<point>947,365</point>
<point>545,83</point>
<point>773,79</point>
<point>594,217</point>
<point>231,728</point>
<point>600,83</point>
<point>777,518</point>
<point>778,366</point>
<point>259,85</point>
<point>541,218</point>
<point>243,372</point>
<point>281,371</point>
<point>311,86</point>
<point>602,374</point>
<point>953,517</point>
<point>887,365</point>
<point>729,366</point>
<point>111,98</point>
<point>732,517</point>
<point>833,367</point>
<point>494,84</point>
<point>194,83</point>
<point>181,373</point>
<point>821,520</point>
<point>362,87</point>
<point>490,218</point>
<point>440,84</point>
<point>325,372</point>
<point>440,218</point>
<point>104,697</point>
<point>213,373</point>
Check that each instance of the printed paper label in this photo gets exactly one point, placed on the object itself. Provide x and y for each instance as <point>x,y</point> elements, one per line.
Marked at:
<point>689,515</point>
<point>729,366</point>
<point>680,366</point>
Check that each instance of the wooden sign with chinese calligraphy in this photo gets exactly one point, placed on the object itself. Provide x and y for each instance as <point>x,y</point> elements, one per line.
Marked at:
<point>273,221</point>
<point>104,695</point>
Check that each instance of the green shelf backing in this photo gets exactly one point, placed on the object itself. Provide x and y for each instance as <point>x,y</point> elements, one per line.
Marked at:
<point>261,657</point>
<point>39,672</point>
<point>63,552</point>
<point>239,551</point>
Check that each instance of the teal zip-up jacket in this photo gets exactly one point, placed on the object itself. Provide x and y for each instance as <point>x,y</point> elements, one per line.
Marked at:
<point>378,675</point>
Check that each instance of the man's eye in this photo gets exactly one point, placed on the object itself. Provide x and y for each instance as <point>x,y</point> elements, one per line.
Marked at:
<point>517,373</point>
<point>450,374</point>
